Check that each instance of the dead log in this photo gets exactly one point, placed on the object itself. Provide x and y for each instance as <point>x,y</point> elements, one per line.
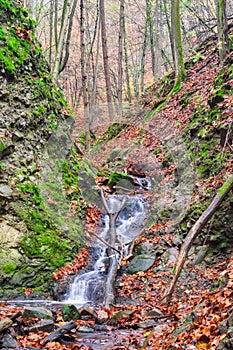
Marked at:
<point>59,332</point>
<point>113,261</point>
<point>195,230</point>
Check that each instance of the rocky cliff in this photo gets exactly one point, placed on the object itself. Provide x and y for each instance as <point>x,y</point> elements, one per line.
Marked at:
<point>31,106</point>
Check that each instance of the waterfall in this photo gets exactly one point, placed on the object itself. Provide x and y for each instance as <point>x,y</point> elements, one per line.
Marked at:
<point>88,287</point>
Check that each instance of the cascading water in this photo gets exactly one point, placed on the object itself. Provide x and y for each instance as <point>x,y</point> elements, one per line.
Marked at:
<point>88,287</point>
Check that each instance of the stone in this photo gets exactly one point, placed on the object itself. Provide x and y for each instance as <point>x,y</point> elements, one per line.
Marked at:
<point>141,263</point>
<point>37,312</point>
<point>85,329</point>
<point>119,314</point>
<point>9,342</point>
<point>5,191</point>
<point>146,324</point>
<point>9,236</point>
<point>154,313</point>
<point>43,326</point>
<point>70,312</point>
<point>102,316</point>
<point>5,323</point>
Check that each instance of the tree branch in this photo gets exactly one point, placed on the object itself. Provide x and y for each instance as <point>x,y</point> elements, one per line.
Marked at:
<point>208,213</point>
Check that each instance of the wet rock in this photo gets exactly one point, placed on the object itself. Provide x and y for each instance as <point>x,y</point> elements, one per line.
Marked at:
<point>102,316</point>
<point>70,312</point>
<point>5,324</point>
<point>154,313</point>
<point>84,329</point>
<point>8,342</point>
<point>44,326</point>
<point>119,314</point>
<point>141,263</point>
<point>87,311</point>
<point>146,324</point>
<point>37,312</point>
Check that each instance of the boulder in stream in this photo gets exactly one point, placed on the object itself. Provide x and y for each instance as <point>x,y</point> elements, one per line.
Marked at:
<point>141,263</point>
<point>70,312</point>
<point>37,312</point>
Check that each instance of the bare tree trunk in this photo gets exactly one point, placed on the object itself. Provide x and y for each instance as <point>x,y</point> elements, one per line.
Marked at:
<point>177,41</point>
<point>67,41</point>
<point>51,32</point>
<point>61,40</point>
<point>198,226</point>
<point>129,93</point>
<point>151,31</point>
<point>84,76</point>
<point>144,46</point>
<point>222,28</point>
<point>113,261</point>
<point>169,29</point>
<point>120,54</point>
<point>105,59</point>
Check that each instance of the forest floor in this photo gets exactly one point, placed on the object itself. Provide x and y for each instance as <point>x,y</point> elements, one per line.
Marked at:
<point>199,313</point>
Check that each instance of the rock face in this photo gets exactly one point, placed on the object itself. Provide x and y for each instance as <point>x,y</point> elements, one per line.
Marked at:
<point>31,107</point>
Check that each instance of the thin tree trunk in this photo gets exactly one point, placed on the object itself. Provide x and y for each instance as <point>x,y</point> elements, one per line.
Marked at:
<point>129,93</point>
<point>113,261</point>
<point>67,41</point>
<point>61,39</point>
<point>51,32</point>
<point>151,31</point>
<point>177,40</point>
<point>84,76</point>
<point>105,59</point>
<point>195,230</point>
<point>142,65</point>
<point>222,28</point>
<point>169,29</point>
<point>120,54</point>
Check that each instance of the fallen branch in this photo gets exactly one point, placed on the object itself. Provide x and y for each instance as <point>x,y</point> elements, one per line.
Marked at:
<point>59,332</point>
<point>105,242</point>
<point>208,213</point>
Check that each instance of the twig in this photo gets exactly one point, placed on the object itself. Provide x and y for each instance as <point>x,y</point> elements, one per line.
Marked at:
<point>197,227</point>
<point>105,242</point>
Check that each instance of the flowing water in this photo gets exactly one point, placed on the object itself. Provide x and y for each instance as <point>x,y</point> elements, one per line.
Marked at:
<point>88,287</point>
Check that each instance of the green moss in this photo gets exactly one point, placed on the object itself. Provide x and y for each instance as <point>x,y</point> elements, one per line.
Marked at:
<point>1,146</point>
<point>8,268</point>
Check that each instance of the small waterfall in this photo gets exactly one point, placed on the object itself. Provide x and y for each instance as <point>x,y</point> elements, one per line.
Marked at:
<point>88,287</point>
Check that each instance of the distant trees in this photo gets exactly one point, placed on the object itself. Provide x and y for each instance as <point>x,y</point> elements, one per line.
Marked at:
<point>122,46</point>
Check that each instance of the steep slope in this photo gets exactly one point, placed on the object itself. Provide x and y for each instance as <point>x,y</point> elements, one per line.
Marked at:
<point>31,245</point>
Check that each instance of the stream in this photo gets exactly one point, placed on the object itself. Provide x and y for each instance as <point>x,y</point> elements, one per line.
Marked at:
<point>88,287</point>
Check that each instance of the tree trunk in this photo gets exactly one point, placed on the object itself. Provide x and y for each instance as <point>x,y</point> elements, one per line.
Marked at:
<point>113,261</point>
<point>195,230</point>
<point>105,60</point>
<point>222,28</point>
<point>142,65</point>
<point>61,40</point>
<point>177,41</point>
<point>129,93</point>
<point>67,41</point>
<point>84,76</point>
<point>151,31</point>
<point>120,54</point>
